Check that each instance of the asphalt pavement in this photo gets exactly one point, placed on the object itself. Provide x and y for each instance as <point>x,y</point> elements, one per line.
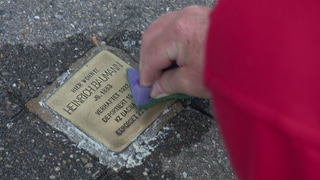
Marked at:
<point>39,40</point>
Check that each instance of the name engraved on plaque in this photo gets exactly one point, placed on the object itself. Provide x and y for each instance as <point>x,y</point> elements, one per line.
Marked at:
<point>97,99</point>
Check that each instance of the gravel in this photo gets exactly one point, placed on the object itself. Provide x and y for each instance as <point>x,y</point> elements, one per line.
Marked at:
<point>46,22</point>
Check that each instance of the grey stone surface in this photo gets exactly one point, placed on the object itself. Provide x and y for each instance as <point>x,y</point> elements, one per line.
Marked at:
<point>38,41</point>
<point>46,22</point>
<point>204,159</point>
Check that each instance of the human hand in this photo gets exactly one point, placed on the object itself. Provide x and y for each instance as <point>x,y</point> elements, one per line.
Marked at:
<point>176,36</point>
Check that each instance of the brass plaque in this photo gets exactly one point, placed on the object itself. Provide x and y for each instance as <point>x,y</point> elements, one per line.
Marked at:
<point>97,99</point>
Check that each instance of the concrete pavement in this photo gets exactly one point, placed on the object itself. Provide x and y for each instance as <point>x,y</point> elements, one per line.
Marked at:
<point>39,40</point>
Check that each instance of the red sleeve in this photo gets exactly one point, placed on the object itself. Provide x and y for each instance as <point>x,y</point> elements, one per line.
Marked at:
<point>263,71</point>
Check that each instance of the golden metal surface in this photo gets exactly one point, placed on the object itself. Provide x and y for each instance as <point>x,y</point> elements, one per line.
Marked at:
<point>97,99</point>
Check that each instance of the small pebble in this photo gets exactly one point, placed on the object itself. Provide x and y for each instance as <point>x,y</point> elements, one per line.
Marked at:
<point>115,169</point>
<point>84,160</point>
<point>195,145</point>
<point>58,16</point>
<point>23,85</point>
<point>57,169</point>
<point>94,40</point>
<point>52,177</point>
<point>68,36</point>
<point>185,174</point>
<point>9,125</point>
<point>88,165</point>
<point>8,166</point>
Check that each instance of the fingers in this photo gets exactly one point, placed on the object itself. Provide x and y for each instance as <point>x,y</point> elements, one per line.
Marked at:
<point>155,60</point>
<point>156,54</point>
<point>179,80</point>
<point>180,37</point>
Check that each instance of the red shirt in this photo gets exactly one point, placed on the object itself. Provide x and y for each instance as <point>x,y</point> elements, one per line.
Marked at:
<point>263,70</point>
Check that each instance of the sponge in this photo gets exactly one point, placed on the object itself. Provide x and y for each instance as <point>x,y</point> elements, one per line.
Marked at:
<point>141,94</point>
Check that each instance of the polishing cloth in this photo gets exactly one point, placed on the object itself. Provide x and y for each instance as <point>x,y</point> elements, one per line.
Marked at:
<point>141,94</point>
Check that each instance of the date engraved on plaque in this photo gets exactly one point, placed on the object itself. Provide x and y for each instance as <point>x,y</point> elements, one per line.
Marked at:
<point>97,99</point>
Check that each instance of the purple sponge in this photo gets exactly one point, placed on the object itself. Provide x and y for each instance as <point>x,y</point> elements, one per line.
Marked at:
<point>141,94</point>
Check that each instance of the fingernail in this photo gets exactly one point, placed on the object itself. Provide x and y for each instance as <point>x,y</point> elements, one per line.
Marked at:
<point>157,91</point>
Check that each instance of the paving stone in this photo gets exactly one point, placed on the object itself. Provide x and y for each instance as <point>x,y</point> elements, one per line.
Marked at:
<point>39,40</point>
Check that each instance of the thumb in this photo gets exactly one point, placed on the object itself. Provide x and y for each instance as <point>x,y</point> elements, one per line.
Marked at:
<point>180,80</point>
